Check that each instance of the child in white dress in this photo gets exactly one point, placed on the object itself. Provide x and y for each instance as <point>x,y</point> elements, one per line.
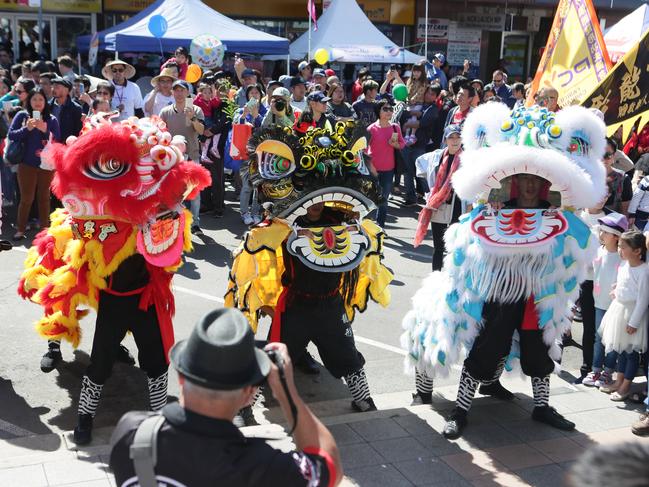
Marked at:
<point>624,326</point>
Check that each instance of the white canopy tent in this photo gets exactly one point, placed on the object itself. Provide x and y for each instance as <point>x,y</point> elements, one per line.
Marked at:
<point>621,37</point>
<point>350,37</point>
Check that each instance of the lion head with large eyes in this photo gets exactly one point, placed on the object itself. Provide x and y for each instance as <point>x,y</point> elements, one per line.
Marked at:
<point>134,171</point>
<point>324,166</point>
<point>564,150</point>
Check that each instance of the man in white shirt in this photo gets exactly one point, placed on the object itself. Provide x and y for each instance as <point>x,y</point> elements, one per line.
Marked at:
<point>161,96</point>
<point>298,98</point>
<point>128,97</point>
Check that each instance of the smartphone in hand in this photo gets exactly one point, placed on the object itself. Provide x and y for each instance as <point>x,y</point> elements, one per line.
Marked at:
<point>36,115</point>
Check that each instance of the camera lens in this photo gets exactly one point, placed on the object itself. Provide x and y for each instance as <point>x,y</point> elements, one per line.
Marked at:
<point>280,105</point>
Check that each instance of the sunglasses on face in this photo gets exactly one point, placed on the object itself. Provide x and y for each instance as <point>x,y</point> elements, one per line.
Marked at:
<point>608,155</point>
<point>18,92</point>
<point>117,70</point>
<point>497,81</point>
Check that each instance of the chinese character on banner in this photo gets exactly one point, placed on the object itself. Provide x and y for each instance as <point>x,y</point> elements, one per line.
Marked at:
<point>629,88</point>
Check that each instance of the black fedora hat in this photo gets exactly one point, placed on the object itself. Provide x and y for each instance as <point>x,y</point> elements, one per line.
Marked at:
<point>220,353</point>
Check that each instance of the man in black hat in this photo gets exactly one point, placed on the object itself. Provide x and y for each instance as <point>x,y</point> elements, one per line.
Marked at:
<point>220,370</point>
<point>65,109</point>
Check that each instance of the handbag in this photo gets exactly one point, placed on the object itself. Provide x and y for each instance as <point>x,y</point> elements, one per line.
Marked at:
<point>15,151</point>
<point>444,213</point>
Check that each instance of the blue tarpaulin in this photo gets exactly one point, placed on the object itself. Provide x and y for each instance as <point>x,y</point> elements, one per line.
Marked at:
<point>186,19</point>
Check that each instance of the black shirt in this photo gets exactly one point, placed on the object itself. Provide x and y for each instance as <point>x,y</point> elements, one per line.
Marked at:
<point>195,451</point>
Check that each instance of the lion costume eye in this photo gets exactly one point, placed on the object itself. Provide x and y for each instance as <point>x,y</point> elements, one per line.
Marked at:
<point>104,170</point>
<point>275,160</point>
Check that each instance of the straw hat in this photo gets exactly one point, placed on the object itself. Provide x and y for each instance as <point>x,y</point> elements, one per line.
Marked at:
<point>129,71</point>
<point>165,73</point>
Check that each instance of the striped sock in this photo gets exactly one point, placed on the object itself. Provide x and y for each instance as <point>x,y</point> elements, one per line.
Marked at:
<point>89,398</point>
<point>54,345</point>
<point>423,383</point>
<point>466,390</point>
<point>158,391</point>
<point>358,386</point>
<point>499,371</point>
<point>541,391</point>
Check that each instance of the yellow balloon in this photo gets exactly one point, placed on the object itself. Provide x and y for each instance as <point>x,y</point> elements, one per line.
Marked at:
<point>321,56</point>
<point>194,73</point>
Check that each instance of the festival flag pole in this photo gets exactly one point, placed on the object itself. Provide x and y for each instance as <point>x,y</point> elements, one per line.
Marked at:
<point>308,57</point>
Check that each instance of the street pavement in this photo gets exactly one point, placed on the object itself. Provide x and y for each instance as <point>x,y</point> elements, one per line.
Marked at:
<point>398,445</point>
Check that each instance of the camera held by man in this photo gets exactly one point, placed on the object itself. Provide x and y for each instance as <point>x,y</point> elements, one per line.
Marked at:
<point>194,442</point>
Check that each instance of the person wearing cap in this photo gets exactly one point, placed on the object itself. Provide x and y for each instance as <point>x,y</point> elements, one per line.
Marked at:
<point>434,70</point>
<point>305,70</point>
<point>271,86</point>
<point>315,114</point>
<point>319,79</point>
<point>247,77</point>
<point>65,109</point>
<point>128,97</point>
<point>281,112</point>
<point>219,372</point>
<point>298,94</point>
<point>186,120</point>
<point>600,280</point>
<point>161,95</point>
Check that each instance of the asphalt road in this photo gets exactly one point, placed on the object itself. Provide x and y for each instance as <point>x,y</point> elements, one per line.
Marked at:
<point>34,402</point>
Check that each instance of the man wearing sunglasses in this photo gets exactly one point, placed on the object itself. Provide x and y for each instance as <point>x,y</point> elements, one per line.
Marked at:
<point>128,97</point>
<point>502,90</point>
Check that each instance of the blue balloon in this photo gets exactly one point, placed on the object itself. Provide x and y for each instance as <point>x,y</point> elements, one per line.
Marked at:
<point>157,26</point>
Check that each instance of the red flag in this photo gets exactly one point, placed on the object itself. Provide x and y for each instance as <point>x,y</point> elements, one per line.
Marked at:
<point>310,7</point>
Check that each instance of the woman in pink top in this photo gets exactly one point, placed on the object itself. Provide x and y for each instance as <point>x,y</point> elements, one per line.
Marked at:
<point>385,138</point>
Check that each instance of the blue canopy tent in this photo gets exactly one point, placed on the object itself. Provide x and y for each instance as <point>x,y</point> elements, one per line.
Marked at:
<point>186,19</point>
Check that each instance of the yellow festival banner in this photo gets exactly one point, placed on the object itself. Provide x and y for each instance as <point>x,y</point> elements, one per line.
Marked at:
<point>623,96</point>
<point>575,59</point>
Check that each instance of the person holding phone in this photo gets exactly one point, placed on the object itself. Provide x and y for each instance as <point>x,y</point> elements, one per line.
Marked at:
<point>33,127</point>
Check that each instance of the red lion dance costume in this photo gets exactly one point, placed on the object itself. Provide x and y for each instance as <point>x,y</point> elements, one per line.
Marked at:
<point>114,247</point>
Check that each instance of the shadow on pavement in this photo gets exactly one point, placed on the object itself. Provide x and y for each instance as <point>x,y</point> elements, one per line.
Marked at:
<point>18,413</point>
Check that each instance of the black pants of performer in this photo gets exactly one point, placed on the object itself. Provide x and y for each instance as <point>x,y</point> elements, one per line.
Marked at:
<point>213,197</point>
<point>324,322</point>
<point>588,320</point>
<point>495,339</point>
<point>117,315</point>
<point>439,229</point>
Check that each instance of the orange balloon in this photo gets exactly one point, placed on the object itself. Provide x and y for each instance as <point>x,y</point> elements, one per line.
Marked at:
<point>194,73</point>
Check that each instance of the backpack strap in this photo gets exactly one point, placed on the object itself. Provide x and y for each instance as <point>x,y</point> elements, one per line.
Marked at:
<point>143,450</point>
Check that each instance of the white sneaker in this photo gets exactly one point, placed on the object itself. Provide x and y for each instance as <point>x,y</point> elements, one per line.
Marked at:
<point>605,380</point>
<point>247,218</point>
<point>591,379</point>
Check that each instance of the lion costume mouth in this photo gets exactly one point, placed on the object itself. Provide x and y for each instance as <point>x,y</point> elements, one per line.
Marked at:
<point>518,227</point>
<point>161,241</point>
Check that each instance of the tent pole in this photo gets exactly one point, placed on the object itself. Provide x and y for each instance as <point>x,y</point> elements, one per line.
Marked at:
<point>288,64</point>
<point>426,34</point>
<point>308,57</point>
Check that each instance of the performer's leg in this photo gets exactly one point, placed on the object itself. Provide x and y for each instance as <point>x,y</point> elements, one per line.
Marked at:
<point>424,385</point>
<point>110,329</point>
<point>493,387</point>
<point>146,332</point>
<point>588,321</point>
<point>334,337</point>
<point>485,358</point>
<point>537,364</point>
<point>52,357</point>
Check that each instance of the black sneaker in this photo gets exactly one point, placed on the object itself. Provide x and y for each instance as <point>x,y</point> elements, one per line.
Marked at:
<point>51,359</point>
<point>83,432</point>
<point>124,356</point>
<point>455,424</point>
<point>307,364</point>
<point>364,406</point>
<point>196,230</point>
<point>550,416</point>
<point>5,245</point>
<point>422,398</point>
<point>496,390</point>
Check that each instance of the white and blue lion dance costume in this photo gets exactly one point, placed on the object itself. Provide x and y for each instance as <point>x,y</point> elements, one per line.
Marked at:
<point>502,257</point>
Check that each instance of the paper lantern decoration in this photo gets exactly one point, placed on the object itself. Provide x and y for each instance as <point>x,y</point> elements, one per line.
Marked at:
<point>194,73</point>
<point>157,26</point>
<point>400,92</point>
<point>207,51</point>
<point>321,56</point>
